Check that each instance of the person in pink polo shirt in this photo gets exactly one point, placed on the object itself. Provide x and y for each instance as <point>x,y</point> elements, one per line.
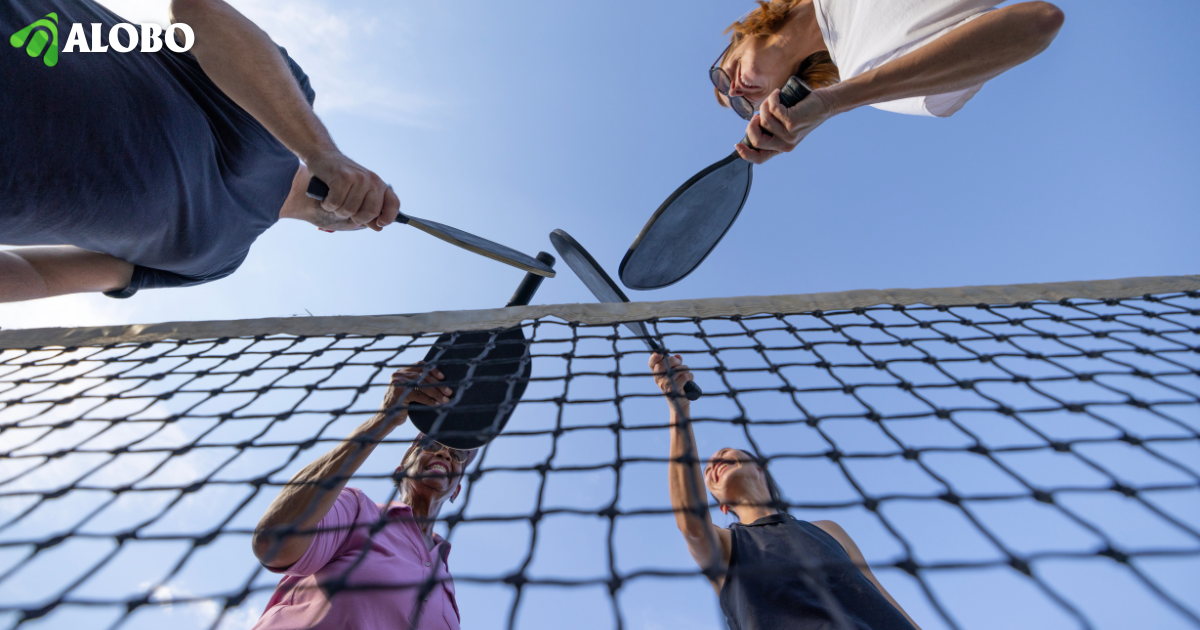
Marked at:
<point>349,562</point>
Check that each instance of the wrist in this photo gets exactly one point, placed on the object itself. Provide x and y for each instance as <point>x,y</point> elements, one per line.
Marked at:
<point>840,98</point>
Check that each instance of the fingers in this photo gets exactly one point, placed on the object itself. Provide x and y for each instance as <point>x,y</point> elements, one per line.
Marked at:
<point>391,210</point>
<point>754,156</point>
<point>355,193</point>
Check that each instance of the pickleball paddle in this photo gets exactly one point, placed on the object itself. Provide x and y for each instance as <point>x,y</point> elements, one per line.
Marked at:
<point>483,399</point>
<point>690,223</point>
<point>605,290</point>
<point>317,189</point>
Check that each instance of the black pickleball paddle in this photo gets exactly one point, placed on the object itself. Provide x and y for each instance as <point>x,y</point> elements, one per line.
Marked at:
<point>317,189</point>
<point>605,290</point>
<point>485,399</point>
<point>690,223</point>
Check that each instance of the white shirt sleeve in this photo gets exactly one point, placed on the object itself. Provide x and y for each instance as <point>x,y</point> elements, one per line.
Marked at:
<point>864,34</point>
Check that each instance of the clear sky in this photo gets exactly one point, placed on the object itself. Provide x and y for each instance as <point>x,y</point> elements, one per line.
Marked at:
<point>511,120</point>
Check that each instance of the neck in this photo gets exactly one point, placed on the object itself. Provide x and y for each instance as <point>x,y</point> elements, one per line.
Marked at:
<point>747,514</point>
<point>425,509</point>
<point>801,35</point>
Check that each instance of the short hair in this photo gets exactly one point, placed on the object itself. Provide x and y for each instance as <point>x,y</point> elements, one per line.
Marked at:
<point>816,71</point>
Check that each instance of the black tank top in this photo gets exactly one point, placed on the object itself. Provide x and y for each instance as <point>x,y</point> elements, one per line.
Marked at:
<point>786,574</point>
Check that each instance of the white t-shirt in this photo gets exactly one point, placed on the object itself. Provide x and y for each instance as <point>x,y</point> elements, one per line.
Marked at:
<point>864,34</point>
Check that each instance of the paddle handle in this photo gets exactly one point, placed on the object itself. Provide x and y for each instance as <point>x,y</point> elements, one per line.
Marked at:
<point>524,294</point>
<point>319,190</point>
<point>690,389</point>
<point>793,92</point>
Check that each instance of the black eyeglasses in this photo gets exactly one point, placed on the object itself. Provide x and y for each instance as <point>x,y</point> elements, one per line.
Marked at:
<point>722,82</point>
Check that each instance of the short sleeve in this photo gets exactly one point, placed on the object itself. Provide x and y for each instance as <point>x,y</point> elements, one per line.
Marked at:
<point>301,78</point>
<point>332,532</point>
<point>862,35</point>
<point>147,278</point>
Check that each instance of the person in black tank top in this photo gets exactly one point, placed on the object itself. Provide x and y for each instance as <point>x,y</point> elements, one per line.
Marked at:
<point>770,570</point>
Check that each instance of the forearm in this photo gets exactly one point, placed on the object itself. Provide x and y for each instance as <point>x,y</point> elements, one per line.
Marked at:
<point>686,481</point>
<point>309,495</point>
<point>40,272</point>
<point>246,65</point>
<point>963,58</point>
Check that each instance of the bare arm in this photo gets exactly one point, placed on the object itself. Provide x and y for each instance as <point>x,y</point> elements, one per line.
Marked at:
<point>839,534</point>
<point>242,60</point>
<point>967,56</point>
<point>708,544</point>
<point>310,494</point>
<point>31,273</point>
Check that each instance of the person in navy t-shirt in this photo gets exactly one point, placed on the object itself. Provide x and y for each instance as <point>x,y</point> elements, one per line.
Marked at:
<point>143,170</point>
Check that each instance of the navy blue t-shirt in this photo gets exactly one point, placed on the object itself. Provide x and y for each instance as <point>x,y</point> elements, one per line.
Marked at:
<point>138,155</point>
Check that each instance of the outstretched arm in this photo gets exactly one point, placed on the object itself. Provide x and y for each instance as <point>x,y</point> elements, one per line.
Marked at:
<point>31,273</point>
<point>307,498</point>
<point>707,543</point>
<point>243,61</point>
<point>840,535</point>
<point>969,55</point>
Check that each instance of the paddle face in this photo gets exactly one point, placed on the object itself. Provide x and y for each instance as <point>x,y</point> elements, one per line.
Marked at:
<point>605,290</point>
<point>317,189</point>
<point>688,225</point>
<point>482,404</point>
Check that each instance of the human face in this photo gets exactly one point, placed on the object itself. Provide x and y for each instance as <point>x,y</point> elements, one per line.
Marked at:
<point>731,473</point>
<point>436,469</point>
<point>756,66</point>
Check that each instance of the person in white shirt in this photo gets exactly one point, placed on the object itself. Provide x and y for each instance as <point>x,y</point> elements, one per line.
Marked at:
<point>920,57</point>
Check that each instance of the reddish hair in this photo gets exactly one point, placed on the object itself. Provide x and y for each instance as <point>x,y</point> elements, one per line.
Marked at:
<point>817,70</point>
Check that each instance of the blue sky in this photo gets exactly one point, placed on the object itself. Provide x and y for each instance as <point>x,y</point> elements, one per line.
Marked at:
<point>511,120</point>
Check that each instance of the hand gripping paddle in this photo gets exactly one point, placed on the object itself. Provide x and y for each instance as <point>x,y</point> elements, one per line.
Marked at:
<point>690,223</point>
<point>607,291</point>
<point>317,189</point>
<point>488,382</point>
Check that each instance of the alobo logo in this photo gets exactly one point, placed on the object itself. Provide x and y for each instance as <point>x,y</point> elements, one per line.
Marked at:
<point>36,36</point>
<point>37,43</point>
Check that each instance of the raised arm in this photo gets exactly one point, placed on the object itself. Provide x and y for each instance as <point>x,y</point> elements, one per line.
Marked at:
<point>707,543</point>
<point>967,56</point>
<point>840,535</point>
<point>32,273</point>
<point>243,61</point>
<point>286,530</point>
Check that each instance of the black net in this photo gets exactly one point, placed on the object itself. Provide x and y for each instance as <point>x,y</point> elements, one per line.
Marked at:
<point>1012,465</point>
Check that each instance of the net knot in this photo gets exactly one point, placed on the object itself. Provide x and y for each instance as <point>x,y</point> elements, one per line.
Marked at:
<point>1123,489</point>
<point>908,566</point>
<point>1020,565</point>
<point>1061,447</point>
<point>1119,556</point>
<point>1041,496</point>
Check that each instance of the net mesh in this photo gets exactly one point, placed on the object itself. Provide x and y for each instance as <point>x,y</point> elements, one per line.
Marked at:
<point>991,460</point>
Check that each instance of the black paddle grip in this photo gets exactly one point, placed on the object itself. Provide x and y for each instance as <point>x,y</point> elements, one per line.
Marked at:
<point>317,189</point>
<point>529,286</point>
<point>792,92</point>
<point>692,390</point>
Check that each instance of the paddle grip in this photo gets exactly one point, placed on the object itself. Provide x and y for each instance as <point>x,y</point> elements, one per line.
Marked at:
<point>793,92</point>
<point>692,390</point>
<point>317,189</point>
<point>524,294</point>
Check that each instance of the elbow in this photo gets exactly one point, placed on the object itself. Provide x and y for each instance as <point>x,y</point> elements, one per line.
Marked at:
<point>1045,20</point>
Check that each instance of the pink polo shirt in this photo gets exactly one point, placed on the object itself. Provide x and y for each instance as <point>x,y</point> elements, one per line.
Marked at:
<point>395,566</point>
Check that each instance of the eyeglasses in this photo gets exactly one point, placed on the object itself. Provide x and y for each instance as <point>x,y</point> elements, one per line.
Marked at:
<point>458,455</point>
<point>722,82</point>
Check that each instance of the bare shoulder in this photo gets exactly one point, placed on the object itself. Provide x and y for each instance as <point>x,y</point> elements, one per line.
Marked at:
<point>840,535</point>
